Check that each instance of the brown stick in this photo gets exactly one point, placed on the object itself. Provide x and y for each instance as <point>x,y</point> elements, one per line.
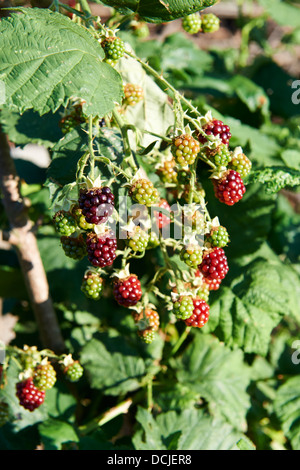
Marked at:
<point>24,242</point>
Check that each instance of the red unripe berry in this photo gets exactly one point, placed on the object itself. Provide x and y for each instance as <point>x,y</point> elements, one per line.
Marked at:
<point>127,292</point>
<point>200,314</point>
<point>230,188</point>
<point>162,220</point>
<point>29,396</point>
<point>214,265</point>
<point>218,129</point>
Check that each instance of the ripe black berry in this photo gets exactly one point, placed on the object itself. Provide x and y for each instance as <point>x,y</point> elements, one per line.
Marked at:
<point>97,204</point>
<point>127,292</point>
<point>74,247</point>
<point>101,249</point>
<point>230,188</point>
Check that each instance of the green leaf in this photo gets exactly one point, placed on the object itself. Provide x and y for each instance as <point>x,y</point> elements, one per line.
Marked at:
<point>286,407</point>
<point>209,368</point>
<point>160,10</point>
<point>111,365</point>
<point>244,314</point>
<point>54,433</point>
<point>190,429</point>
<point>283,13</point>
<point>275,178</point>
<point>30,127</point>
<point>46,60</point>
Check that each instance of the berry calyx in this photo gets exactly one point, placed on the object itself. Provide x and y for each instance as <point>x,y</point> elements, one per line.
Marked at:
<point>229,189</point>
<point>92,285</point>
<point>29,396</point>
<point>214,264</point>
<point>127,292</point>
<point>44,376</point>
<point>96,204</point>
<point>191,255</point>
<point>74,247</point>
<point>133,94</point>
<point>101,249</point>
<point>192,23</point>
<point>73,371</point>
<point>163,220</point>
<point>241,163</point>
<point>114,49</point>
<point>218,129</point>
<point>200,314</point>
<point>144,192</point>
<point>185,149</point>
<point>64,223</point>
<point>210,23</point>
<point>218,237</point>
<point>183,307</point>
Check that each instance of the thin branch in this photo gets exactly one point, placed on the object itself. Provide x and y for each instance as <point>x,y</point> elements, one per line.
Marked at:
<point>24,242</point>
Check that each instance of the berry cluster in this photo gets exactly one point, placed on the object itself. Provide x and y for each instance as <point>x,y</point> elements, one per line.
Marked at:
<point>39,375</point>
<point>143,192</point>
<point>148,323</point>
<point>218,129</point>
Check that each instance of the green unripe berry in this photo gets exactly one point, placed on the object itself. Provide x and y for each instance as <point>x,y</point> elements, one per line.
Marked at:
<point>192,23</point>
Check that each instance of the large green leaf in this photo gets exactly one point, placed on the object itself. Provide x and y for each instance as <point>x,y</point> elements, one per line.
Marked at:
<point>46,59</point>
<point>286,406</point>
<point>160,10</point>
<point>209,368</point>
<point>245,314</point>
<point>111,365</point>
<point>190,429</point>
<point>276,178</point>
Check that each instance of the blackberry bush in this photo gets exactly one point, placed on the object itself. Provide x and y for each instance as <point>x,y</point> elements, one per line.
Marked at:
<point>141,357</point>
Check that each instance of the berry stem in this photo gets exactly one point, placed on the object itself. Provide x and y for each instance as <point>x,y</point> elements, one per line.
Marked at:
<point>127,148</point>
<point>91,149</point>
<point>150,394</point>
<point>180,341</point>
<point>87,12</point>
